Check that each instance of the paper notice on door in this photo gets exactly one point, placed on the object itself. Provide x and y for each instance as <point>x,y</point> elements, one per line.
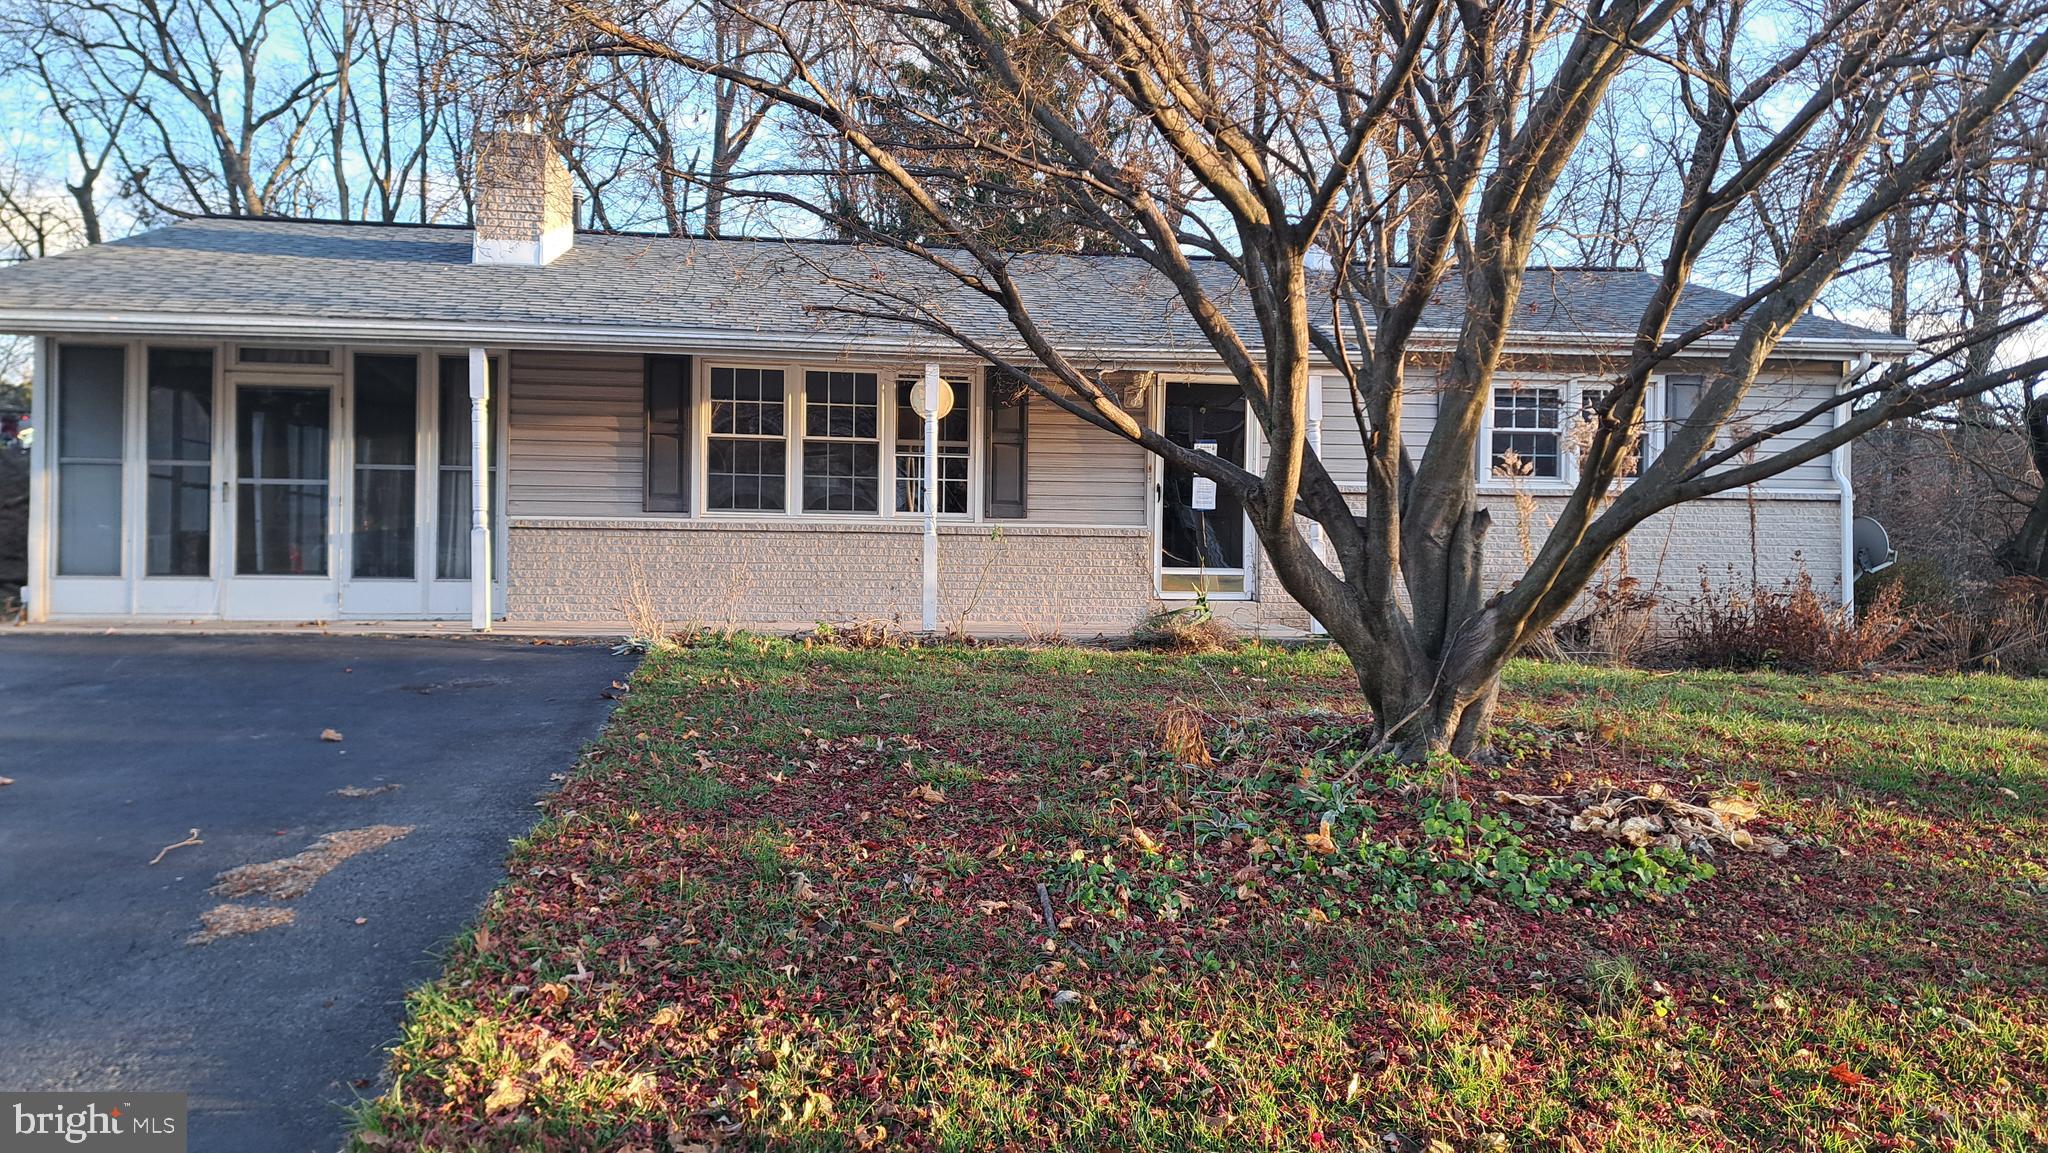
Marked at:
<point>1203,499</point>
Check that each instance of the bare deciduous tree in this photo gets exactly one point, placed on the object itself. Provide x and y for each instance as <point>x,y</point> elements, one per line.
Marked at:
<point>1420,143</point>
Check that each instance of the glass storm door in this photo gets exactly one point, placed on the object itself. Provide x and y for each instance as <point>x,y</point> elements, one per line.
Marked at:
<point>282,503</point>
<point>1201,526</point>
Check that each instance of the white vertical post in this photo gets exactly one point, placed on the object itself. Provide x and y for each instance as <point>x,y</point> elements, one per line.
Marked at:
<point>931,497</point>
<point>36,598</point>
<point>1314,436</point>
<point>1846,491</point>
<point>479,490</point>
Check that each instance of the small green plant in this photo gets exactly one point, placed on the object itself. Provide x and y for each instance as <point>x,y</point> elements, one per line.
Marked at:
<point>1613,979</point>
<point>1465,853</point>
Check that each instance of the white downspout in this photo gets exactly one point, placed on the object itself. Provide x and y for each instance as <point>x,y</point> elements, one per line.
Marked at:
<point>931,497</point>
<point>479,491</point>
<point>36,597</point>
<point>1314,436</point>
<point>1845,485</point>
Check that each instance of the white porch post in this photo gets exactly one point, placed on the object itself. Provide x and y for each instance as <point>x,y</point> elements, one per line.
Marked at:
<point>1314,436</point>
<point>36,598</point>
<point>480,491</point>
<point>931,498</point>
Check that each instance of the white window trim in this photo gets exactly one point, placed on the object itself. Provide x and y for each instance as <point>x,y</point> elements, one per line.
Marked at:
<point>967,390</point>
<point>1155,481</point>
<point>1573,389</point>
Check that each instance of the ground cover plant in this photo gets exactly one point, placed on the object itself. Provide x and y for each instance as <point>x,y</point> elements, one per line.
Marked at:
<point>807,897</point>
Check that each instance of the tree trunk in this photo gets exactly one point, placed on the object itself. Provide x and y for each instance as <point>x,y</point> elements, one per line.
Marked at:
<point>1440,699</point>
<point>2027,552</point>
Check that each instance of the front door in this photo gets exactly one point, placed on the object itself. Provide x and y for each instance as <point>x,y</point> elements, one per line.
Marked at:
<point>1201,526</point>
<point>282,504</point>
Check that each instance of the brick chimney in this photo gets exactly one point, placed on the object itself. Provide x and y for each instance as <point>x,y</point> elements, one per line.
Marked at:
<point>525,204</point>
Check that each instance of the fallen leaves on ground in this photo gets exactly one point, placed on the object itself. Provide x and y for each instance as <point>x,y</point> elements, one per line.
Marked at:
<point>238,920</point>
<point>292,877</point>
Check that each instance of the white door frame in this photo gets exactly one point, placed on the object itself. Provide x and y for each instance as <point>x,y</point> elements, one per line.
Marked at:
<point>182,596</point>
<point>1254,451</point>
<point>283,598</point>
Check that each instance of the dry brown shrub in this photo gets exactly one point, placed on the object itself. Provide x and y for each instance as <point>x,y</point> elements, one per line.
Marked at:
<point>2000,628</point>
<point>1745,626</point>
<point>873,633</point>
<point>1616,627</point>
<point>1184,630</point>
<point>1181,737</point>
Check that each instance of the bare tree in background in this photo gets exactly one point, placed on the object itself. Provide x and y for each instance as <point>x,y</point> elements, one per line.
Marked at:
<point>170,108</point>
<point>1961,270</point>
<point>1421,144</point>
<point>649,142</point>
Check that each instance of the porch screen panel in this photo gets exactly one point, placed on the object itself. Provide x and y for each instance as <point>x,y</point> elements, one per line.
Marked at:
<point>180,462</point>
<point>281,481</point>
<point>452,504</point>
<point>89,438</point>
<point>386,464</point>
<point>668,434</point>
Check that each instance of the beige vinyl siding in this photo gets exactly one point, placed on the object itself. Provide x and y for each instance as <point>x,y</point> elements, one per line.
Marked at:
<point>1077,473</point>
<point>577,442</point>
<point>1343,449</point>
<point>1771,401</point>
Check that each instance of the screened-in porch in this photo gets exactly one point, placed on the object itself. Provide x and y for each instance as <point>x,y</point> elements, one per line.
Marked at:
<point>268,482</point>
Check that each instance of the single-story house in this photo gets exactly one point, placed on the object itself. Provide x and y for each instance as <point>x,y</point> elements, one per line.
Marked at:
<point>276,420</point>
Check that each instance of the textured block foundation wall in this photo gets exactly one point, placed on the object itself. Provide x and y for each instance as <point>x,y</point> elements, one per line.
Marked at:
<point>1725,539</point>
<point>617,574</point>
<point>1013,580</point>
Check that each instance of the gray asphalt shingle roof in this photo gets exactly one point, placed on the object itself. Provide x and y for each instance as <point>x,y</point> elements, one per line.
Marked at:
<point>736,288</point>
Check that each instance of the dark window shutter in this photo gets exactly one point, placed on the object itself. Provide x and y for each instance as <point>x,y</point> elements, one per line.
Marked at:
<point>1007,464</point>
<point>668,434</point>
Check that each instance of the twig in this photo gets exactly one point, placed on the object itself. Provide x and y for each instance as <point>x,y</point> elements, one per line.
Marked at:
<point>191,838</point>
<point>1044,905</point>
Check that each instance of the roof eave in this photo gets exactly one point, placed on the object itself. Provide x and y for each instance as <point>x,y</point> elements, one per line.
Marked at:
<point>382,330</point>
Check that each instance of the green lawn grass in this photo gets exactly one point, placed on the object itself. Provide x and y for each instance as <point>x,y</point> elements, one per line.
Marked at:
<point>791,900</point>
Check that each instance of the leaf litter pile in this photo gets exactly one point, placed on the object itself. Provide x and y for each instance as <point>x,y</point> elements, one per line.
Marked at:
<point>285,879</point>
<point>946,898</point>
<point>292,877</point>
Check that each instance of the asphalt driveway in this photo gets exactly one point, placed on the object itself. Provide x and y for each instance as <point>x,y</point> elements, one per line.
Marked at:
<point>119,745</point>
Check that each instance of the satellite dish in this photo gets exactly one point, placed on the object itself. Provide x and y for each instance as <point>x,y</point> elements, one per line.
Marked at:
<point>1873,546</point>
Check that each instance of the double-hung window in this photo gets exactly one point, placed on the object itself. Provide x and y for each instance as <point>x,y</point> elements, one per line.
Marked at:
<point>746,448</point>
<point>1591,400</point>
<point>842,442</point>
<point>953,450</point>
<point>1528,426</point>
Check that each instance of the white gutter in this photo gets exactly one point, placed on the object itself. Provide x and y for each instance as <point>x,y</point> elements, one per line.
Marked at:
<point>1845,482</point>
